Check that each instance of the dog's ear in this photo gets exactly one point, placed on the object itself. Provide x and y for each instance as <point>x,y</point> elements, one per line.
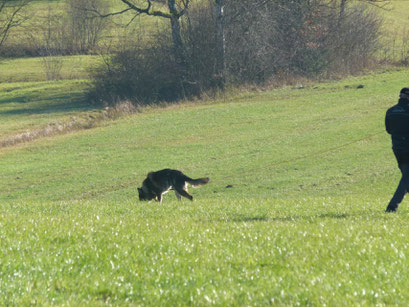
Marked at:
<point>150,175</point>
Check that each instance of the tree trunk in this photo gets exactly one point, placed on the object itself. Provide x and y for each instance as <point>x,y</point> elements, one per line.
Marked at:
<point>341,12</point>
<point>220,43</point>
<point>177,41</point>
<point>178,46</point>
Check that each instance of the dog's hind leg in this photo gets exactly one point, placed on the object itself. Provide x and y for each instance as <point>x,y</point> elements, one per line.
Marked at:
<point>179,197</point>
<point>184,193</point>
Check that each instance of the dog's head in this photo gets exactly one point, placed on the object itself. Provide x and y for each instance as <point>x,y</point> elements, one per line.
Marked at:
<point>145,195</point>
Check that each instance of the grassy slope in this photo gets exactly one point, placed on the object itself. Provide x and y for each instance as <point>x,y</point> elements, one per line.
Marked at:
<point>395,30</point>
<point>28,102</point>
<point>251,135</point>
<point>303,221</point>
<point>396,14</point>
<point>34,69</point>
<point>31,106</point>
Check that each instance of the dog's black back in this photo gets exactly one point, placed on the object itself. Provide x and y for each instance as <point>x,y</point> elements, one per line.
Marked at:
<point>160,182</point>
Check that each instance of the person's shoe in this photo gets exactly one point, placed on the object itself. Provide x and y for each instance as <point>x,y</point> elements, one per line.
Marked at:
<point>391,208</point>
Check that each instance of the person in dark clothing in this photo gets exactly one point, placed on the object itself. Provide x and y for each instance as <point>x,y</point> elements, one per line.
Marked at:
<point>397,125</point>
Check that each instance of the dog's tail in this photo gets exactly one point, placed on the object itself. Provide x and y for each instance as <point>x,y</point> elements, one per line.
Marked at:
<point>197,182</point>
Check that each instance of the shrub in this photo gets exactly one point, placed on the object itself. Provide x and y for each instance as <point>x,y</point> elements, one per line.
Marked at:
<point>143,74</point>
<point>263,39</point>
<point>299,38</point>
<point>352,45</point>
<point>150,73</point>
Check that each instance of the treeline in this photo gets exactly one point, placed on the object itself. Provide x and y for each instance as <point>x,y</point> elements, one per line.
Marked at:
<point>205,47</point>
<point>261,41</point>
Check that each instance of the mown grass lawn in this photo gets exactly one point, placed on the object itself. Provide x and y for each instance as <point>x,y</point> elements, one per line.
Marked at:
<point>310,173</point>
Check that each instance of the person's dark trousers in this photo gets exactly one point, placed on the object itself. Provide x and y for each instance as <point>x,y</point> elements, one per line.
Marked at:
<point>403,186</point>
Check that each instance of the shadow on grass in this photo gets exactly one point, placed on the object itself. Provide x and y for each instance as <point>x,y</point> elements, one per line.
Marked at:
<point>40,99</point>
<point>63,107</point>
<point>265,218</point>
<point>249,219</point>
<point>47,95</point>
<point>336,216</point>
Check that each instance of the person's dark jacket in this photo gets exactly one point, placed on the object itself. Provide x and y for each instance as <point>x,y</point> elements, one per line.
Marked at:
<point>397,125</point>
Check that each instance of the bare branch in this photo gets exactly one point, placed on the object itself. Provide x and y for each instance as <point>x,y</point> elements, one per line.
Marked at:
<point>12,17</point>
<point>109,14</point>
<point>382,4</point>
<point>148,10</point>
<point>138,9</point>
<point>184,9</point>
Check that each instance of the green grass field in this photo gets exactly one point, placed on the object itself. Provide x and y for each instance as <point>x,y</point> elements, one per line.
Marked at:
<point>293,215</point>
<point>311,172</point>
<point>18,70</point>
<point>28,106</point>
<point>396,14</point>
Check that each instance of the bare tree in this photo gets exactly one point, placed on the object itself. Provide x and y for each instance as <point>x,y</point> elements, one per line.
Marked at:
<point>175,10</point>
<point>50,49</point>
<point>12,15</point>
<point>83,31</point>
<point>220,42</point>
